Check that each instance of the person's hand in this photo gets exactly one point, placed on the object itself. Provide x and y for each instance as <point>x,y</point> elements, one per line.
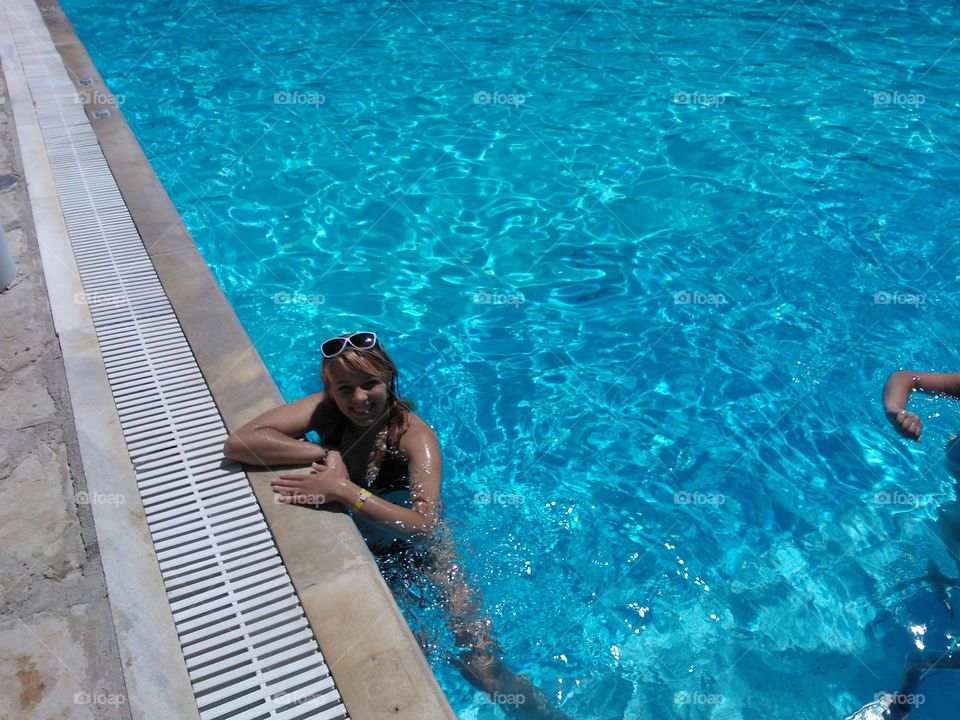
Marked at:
<point>907,424</point>
<point>323,484</point>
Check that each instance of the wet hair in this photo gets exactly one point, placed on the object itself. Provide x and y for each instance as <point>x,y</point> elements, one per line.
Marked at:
<point>330,423</point>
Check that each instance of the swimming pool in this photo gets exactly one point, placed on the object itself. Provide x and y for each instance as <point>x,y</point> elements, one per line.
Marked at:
<point>644,268</point>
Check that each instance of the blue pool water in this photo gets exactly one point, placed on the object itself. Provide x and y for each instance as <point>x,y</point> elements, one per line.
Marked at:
<point>645,267</point>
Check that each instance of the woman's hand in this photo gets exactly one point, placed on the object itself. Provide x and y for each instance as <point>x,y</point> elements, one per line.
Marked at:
<point>324,483</point>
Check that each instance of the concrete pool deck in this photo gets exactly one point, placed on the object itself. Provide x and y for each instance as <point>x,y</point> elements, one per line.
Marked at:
<point>56,628</point>
<point>76,634</point>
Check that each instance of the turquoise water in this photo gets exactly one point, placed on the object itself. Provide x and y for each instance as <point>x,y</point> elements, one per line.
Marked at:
<point>646,286</point>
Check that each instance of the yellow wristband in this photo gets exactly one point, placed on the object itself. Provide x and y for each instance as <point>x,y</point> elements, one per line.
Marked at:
<point>364,494</point>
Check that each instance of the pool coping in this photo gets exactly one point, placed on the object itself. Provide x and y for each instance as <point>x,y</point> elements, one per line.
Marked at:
<point>375,660</point>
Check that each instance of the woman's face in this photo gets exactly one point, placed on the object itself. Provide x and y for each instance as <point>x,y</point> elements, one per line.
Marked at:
<point>362,398</point>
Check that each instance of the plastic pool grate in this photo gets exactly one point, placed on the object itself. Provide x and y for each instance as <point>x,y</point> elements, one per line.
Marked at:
<point>248,649</point>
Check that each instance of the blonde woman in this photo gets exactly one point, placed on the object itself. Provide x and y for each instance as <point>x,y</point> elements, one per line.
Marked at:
<point>380,460</point>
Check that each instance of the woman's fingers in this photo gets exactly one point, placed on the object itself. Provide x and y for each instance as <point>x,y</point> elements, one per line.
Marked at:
<point>332,460</point>
<point>287,485</point>
<point>294,489</point>
<point>295,497</point>
<point>299,499</point>
<point>909,425</point>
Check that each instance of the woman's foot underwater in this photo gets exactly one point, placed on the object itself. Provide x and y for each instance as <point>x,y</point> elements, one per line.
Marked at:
<point>515,694</point>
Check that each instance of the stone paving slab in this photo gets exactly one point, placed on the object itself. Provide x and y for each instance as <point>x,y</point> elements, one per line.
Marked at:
<point>48,673</point>
<point>58,650</point>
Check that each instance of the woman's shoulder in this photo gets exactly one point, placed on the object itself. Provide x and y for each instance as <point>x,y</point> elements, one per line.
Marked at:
<point>416,433</point>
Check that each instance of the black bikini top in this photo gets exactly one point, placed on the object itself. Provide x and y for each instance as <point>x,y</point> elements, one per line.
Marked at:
<point>387,464</point>
<point>387,467</point>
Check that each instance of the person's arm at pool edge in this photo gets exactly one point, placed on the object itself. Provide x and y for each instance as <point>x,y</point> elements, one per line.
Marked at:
<point>276,436</point>
<point>897,391</point>
<point>332,483</point>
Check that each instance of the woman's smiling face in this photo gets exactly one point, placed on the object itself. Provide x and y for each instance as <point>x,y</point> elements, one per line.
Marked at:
<point>361,397</point>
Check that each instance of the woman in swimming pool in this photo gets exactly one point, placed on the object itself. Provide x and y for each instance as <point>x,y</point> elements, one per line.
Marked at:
<point>382,461</point>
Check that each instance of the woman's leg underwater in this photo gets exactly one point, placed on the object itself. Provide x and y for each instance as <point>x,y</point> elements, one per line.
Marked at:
<point>480,663</point>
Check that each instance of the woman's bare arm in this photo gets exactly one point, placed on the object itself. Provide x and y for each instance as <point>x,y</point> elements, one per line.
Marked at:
<point>426,473</point>
<point>897,391</point>
<point>276,436</point>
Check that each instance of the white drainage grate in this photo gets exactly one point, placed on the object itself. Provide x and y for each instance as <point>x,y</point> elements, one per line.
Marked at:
<point>248,649</point>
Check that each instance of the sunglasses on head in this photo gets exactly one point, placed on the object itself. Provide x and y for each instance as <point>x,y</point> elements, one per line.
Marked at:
<point>360,341</point>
